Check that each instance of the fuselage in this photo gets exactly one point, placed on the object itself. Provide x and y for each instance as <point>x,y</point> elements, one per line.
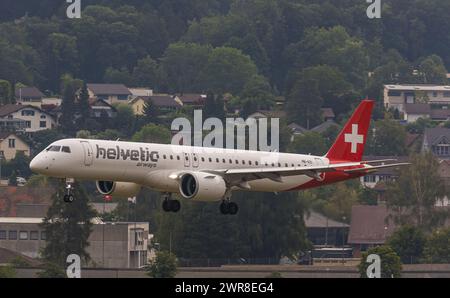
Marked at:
<point>151,165</point>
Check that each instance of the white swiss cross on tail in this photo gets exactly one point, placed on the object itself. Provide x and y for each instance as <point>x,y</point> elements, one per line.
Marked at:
<point>354,138</point>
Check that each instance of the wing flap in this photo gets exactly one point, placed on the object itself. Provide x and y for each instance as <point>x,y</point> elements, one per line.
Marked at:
<point>376,168</point>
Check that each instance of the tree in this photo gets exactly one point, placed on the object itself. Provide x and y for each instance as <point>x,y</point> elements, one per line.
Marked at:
<point>256,95</point>
<point>118,76</point>
<point>52,270</point>
<point>151,112</point>
<point>146,73</point>
<point>182,66</point>
<point>339,204</point>
<point>413,195</point>
<point>388,138</point>
<point>67,226</point>
<point>304,103</point>
<point>152,133</point>
<point>12,181</point>
<point>125,118</point>
<point>437,248</point>
<point>7,271</point>
<point>408,242</point>
<point>228,70</point>
<point>309,143</point>
<point>68,106</point>
<point>164,266</point>
<point>214,106</point>
<point>432,70</point>
<point>5,92</point>
<point>83,105</point>
<point>391,266</point>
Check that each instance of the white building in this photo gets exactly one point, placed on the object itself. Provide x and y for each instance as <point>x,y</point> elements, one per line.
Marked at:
<point>35,118</point>
<point>397,96</point>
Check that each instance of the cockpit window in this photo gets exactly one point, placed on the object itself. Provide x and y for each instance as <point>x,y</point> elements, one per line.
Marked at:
<point>66,149</point>
<point>54,148</point>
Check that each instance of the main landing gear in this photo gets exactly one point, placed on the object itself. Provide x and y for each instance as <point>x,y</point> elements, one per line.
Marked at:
<point>170,205</point>
<point>68,196</point>
<point>228,207</point>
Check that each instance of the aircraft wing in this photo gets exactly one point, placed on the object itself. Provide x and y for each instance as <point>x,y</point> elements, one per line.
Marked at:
<point>239,177</point>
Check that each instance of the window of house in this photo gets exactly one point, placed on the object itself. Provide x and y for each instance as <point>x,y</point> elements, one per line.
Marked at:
<point>27,124</point>
<point>12,235</point>
<point>43,117</point>
<point>12,143</point>
<point>23,235</point>
<point>2,235</point>
<point>34,235</point>
<point>435,94</point>
<point>446,93</point>
<point>43,235</point>
<point>42,124</point>
<point>27,113</point>
<point>394,93</point>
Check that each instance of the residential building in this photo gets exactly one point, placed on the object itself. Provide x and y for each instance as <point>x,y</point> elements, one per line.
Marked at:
<point>369,227</point>
<point>137,92</point>
<point>111,244</point>
<point>192,99</point>
<point>397,96</point>
<point>10,144</point>
<point>437,140</point>
<point>12,125</point>
<point>111,93</point>
<point>323,231</point>
<point>29,96</point>
<point>35,118</point>
<point>414,111</point>
<point>100,108</point>
<point>165,103</point>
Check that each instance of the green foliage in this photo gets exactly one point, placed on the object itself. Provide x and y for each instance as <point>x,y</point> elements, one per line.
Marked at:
<point>52,270</point>
<point>437,249</point>
<point>391,266</point>
<point>152,133</point>
<point>125,119</point>
<point>12,180</point>
<point>309,143</point>
<point>413,195</point>
<point>388,139</point>
<point>5,92</point>
<point>151,112</point>
<point>67,226</point>
<point>419,126</point>
<point>408,242</point>
<point>20,262</point>
<point>164,266</point>
<point>7,271</point>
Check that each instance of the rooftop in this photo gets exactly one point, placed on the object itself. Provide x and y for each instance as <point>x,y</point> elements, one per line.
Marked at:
<point>418,87</point>
<point>28,92</point>
<point>317,220</point>
<point>369,225</point>
<point>109,89</point>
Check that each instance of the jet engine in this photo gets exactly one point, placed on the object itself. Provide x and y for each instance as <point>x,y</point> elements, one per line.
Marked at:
<point>201,186</point>
<point>118,189</point>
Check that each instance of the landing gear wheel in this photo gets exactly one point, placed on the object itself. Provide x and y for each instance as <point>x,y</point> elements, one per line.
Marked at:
<point>166,205</point>
<point>233,208</point>
<point>171,205</point>
<point>224,208</point>
<point>69,198</point>
<point>174,206</point>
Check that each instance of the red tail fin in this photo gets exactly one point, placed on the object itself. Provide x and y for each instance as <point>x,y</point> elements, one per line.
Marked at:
<point>349,145</point>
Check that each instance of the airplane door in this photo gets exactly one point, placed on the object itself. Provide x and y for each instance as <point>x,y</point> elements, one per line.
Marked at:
<point>187,161</point>
<point>88,153</point>
<point>195,160</point>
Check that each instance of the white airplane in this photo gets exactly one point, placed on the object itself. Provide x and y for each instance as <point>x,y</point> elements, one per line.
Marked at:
<point>205,174</point>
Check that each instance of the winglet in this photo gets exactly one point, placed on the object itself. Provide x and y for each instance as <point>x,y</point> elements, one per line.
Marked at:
<point>349,145</point>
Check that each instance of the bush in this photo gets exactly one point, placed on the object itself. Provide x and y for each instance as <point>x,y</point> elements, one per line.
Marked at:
<point>408,242</point>
<point>390,262</point>
<point>51,270</point>
<point>164,266</point>
<point>7,272</point>
<point>437,249</point>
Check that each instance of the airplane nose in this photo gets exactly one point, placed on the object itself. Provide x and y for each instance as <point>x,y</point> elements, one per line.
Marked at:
<point>37,164</point>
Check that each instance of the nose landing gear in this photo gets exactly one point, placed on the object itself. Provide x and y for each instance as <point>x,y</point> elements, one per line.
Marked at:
<point>68,196</point>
